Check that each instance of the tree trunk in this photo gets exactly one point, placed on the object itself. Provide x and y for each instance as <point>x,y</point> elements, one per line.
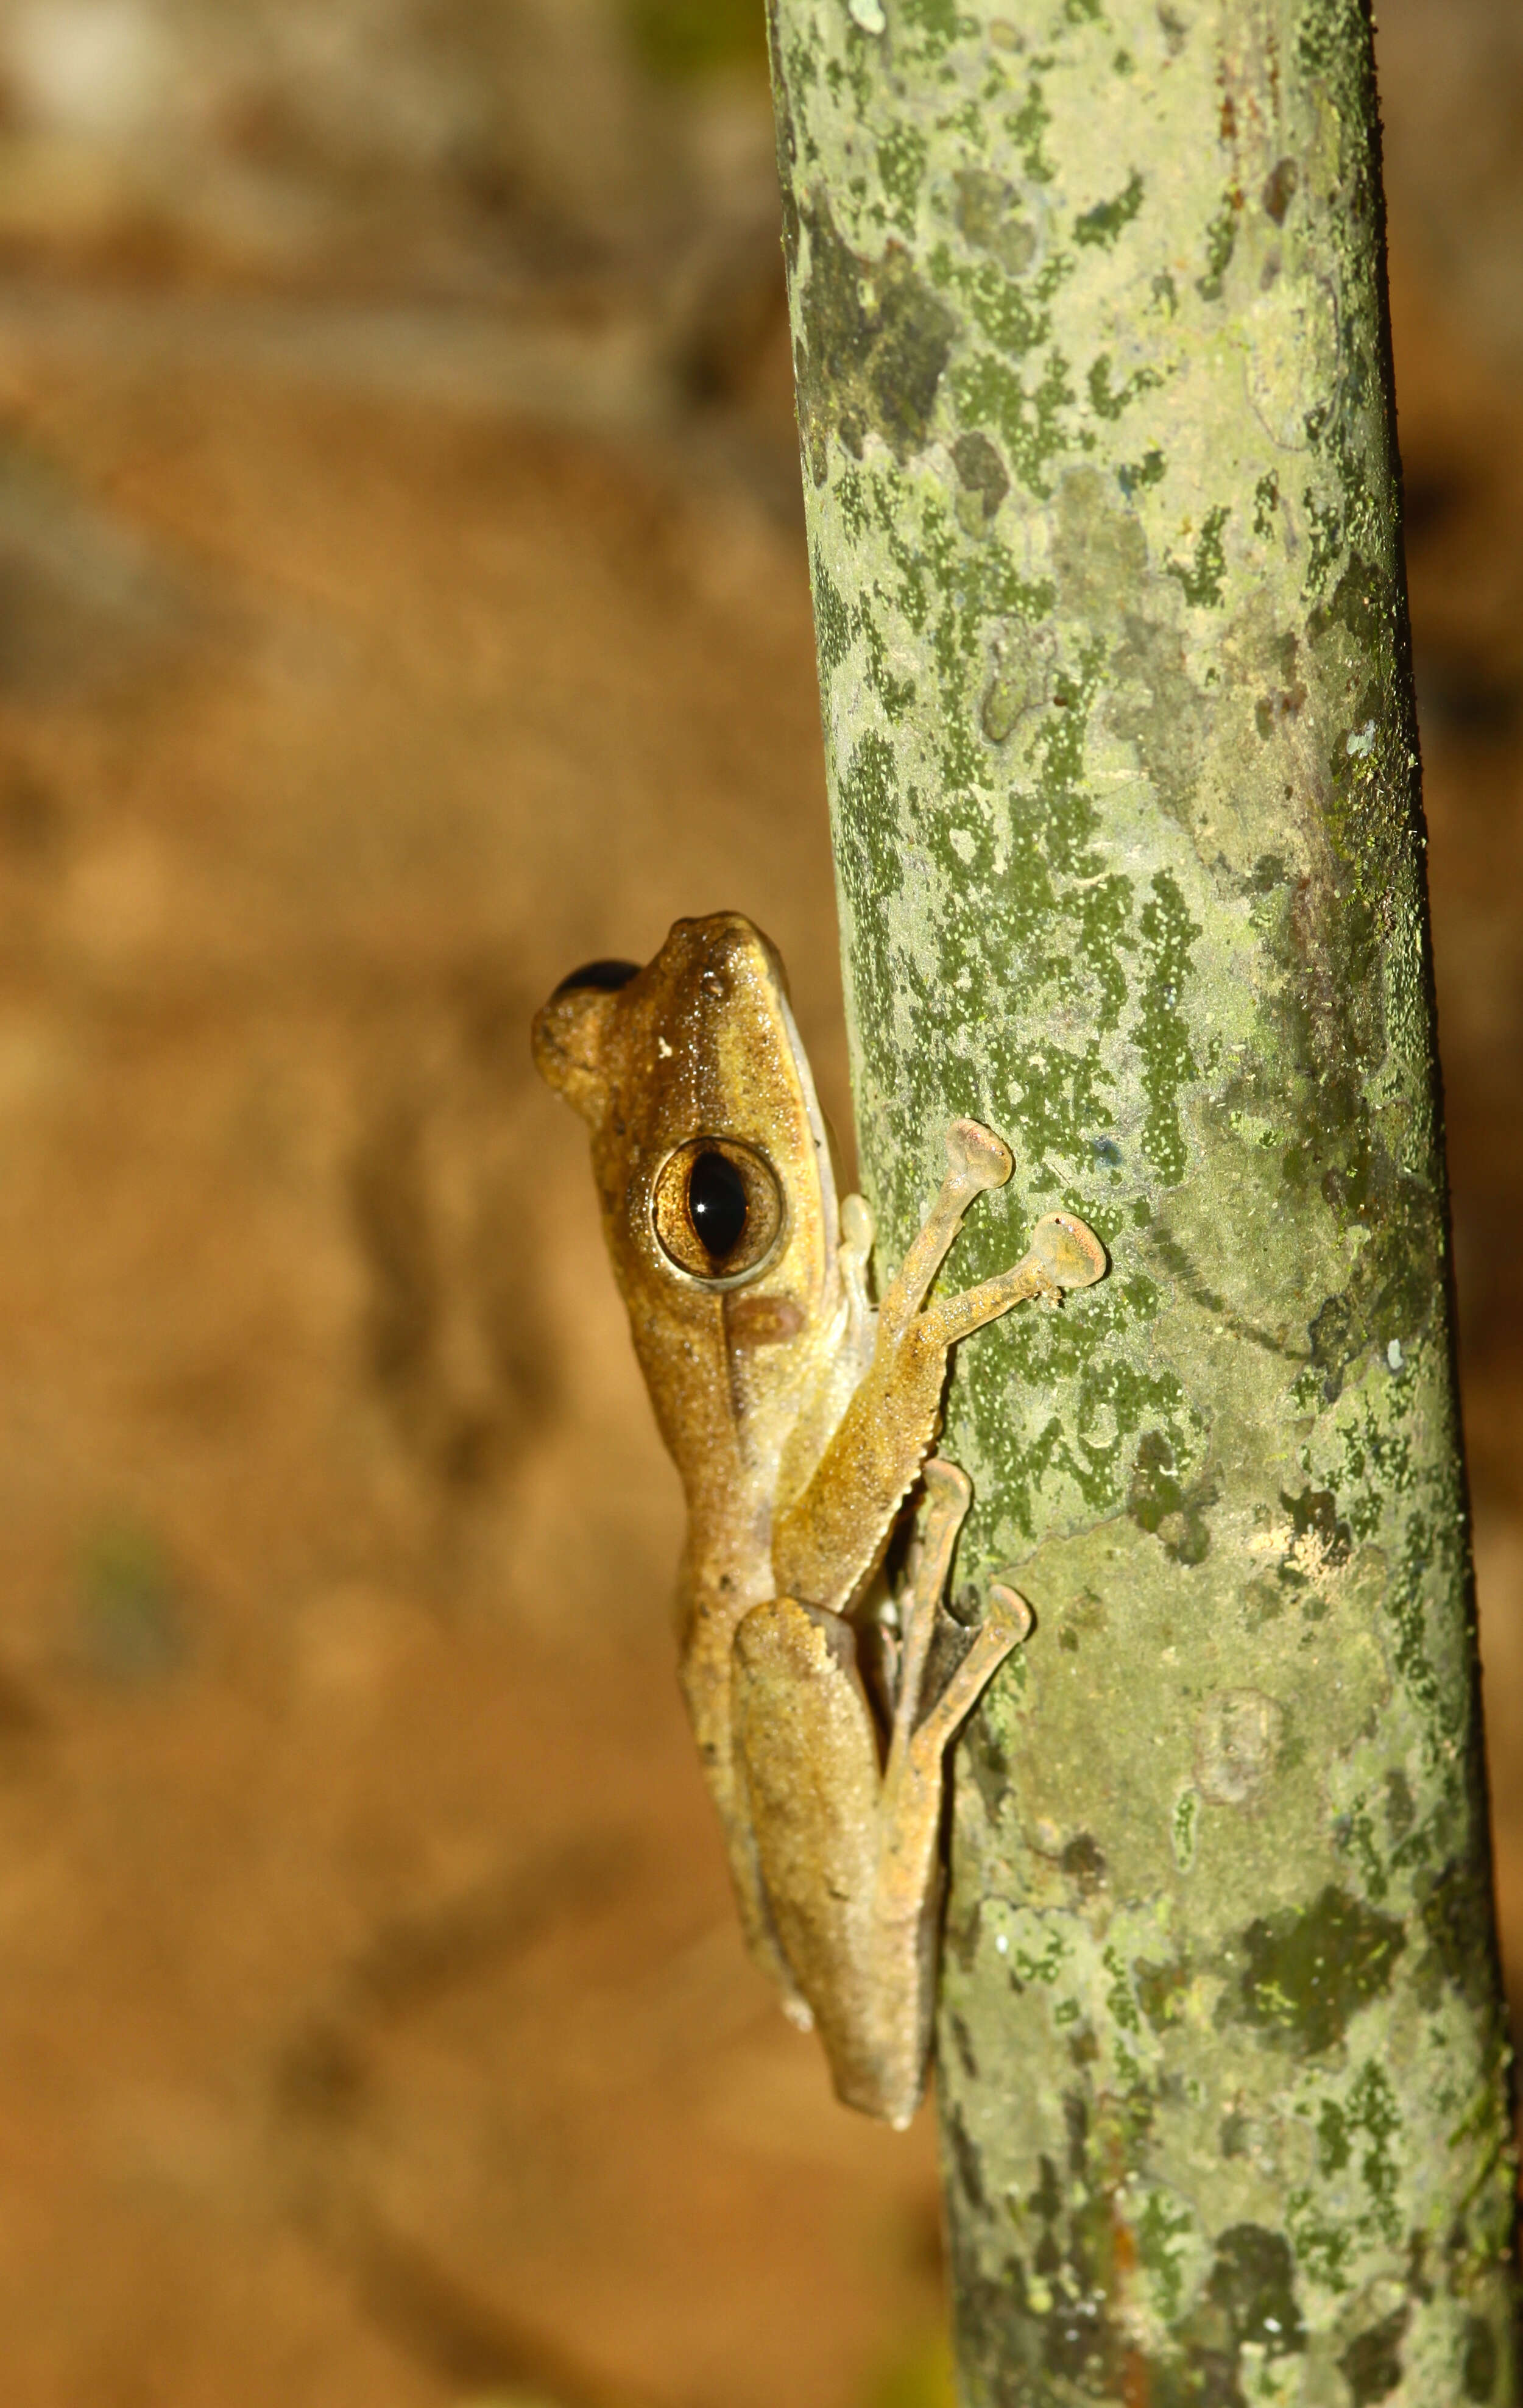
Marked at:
<point>1095,404</point>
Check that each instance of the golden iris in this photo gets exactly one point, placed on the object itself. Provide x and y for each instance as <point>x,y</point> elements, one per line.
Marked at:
<point>718,1210</point>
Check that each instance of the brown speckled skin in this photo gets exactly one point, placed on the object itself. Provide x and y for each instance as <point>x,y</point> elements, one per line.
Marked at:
<point>798,1420</point>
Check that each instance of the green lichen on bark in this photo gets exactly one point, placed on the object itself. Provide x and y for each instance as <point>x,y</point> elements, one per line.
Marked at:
<point>1103,521</point>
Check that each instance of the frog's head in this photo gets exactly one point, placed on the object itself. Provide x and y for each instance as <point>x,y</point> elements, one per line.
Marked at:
<point>708,1147</point>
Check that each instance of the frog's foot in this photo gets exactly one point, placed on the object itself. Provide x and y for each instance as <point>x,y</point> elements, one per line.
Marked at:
<point>949,1493</point>
<point>976,1159</point>
<point>1064,1252</point>
<point>1007,1620</point>
<point>1068,1251</point>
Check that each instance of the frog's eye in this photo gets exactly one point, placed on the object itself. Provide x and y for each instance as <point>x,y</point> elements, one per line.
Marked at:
<point>606,978</point>
<point>717,1209</point>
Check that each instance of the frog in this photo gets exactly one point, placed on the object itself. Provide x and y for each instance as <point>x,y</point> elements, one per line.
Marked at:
<point>802,1419</point>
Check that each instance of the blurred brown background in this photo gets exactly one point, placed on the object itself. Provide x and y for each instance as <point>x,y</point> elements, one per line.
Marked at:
<point>402,598</point>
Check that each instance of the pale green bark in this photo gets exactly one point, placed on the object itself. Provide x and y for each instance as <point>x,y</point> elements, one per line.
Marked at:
<point>1104,518</point>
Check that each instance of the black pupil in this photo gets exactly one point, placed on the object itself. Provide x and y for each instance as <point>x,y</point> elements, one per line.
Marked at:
<point>716,1205</point>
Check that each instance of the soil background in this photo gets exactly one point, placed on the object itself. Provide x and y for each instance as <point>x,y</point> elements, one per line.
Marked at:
<point>402,599</point>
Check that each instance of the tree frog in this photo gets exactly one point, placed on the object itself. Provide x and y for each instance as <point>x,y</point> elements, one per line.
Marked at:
<point>801,1420</point>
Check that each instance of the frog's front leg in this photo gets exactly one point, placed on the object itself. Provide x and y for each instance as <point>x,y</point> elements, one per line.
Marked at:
<point>848,1853</point>
<point>828,1538</point>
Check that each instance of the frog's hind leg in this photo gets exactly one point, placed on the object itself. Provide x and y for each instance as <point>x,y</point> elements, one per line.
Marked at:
<point>848,1859</point>
<point>949,1493</point>
<point>1007,1620</point>
<point>907,1882</point>
<point>848,1854</point>
<point>806,1764</point>
<point>927,1730</point>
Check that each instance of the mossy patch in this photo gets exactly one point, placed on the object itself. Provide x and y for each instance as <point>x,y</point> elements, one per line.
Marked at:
<point>1156,706</point>
<point>1305,1974</point>
<point>1104,223</point>
<point>1481,2364</point>
<point>1029,418</point>
<point>1252,2285</point>
<point>1107,398</point>
<point>1099,551</point>
<point>877,340</point>
<point>1220,243</point>
<point>1167,933</point>
<point>990,215</point>
<point>1135,476</point>
<point>1201,577</point>
<point>1332,935</point>
<point>1162,1991</point>
<point>901,159</point>
<point>1457,1932</point>
<point>1021,684</point>
<point>1320,1539</point>
<point>984,480</point>
<point>1162,1503</point>
<point>1046,2334</point>
<point>1371,2363</point>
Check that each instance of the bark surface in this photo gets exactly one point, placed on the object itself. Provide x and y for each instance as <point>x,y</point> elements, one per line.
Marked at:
<point>1104,511</point>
